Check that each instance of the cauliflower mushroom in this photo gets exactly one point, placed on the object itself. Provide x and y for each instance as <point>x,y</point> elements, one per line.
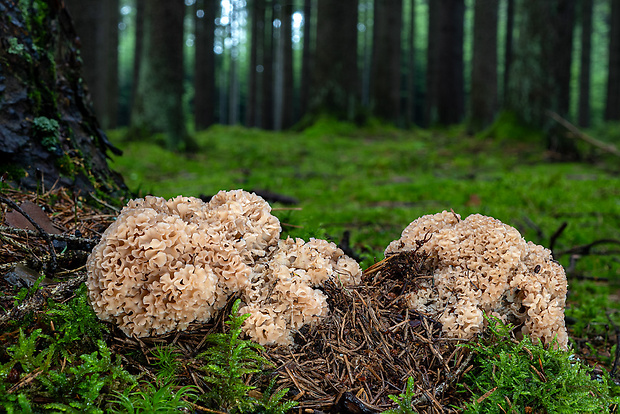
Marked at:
<point>482,265</point>
<point>164,264</point>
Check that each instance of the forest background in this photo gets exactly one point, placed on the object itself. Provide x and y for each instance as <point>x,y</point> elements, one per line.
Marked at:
<point>155,65</point>
<point>363,114</point>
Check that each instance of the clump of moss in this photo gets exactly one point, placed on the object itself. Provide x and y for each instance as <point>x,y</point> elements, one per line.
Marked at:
<point>522,376</point>
<point>48,131</point>
<point>508,126</point>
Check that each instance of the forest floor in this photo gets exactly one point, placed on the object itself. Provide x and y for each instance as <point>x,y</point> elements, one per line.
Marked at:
<point>359,187</point>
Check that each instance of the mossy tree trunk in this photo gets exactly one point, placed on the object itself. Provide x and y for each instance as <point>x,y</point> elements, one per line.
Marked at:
<point>49,135</point>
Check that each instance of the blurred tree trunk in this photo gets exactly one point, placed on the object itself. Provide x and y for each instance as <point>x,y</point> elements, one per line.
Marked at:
<point>432,62</point>
<point>386,51</point>
<point>335,75</point>
<point>233,82</point>
<point>96,24</point>
<point>483,103</point>
<point>267,104</point>
<point>306,60</point>
<point>540,72</point>
<point>510,19</point>
<point>562,58</point>
<point>584,67</point>
<point>137,52</point>
<point>411,72</point>
<point>252,106</point>
<point>366,19</point>
<point>450,99</point>
<point>612,107</point>
<point>287,66</point>
<point>49,135</point>
<point>158,106</point>
<point>204,71</point>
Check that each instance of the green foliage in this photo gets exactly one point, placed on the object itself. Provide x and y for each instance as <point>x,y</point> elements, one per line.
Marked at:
<point>15,403</point>
<point>271,402</point>
<point>228,361</point>
<point>48,132</point>
<point>79,387</point>
<point>595,309</point>
<point>517,376</point>
<point>507,126</point>
<point>22,353</point>
<point>75,322</point>
<point>27,292</point>
<point>16,48</point>
<point>167,363</point>
<point>25,353</point>
<point>152,399</point>
<point>404,400</point>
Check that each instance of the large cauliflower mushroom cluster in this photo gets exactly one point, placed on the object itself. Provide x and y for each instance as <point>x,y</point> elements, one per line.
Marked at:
<point>164,264</point>
<point>484,266</point>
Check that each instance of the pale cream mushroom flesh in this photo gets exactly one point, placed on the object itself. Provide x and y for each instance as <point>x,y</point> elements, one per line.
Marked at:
<point>164,264</point>
<point>482,265</point>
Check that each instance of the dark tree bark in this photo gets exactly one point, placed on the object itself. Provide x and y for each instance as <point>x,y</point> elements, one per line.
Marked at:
<point>48,131</point>
<point>287,66</point>
<point>483,95</point>
<point>612,105</point>
<point>158,106</point>
<point>510,19</point>
<point>96,24</point>
<point>583,116</point>
<point>450,98</point>
<point>267,104</point>
<point>204,71</point>
<point>306,59</point>
<point>540,72</point>
<point>386,54</point>
<point>252,105</point>
<point>335,88</point>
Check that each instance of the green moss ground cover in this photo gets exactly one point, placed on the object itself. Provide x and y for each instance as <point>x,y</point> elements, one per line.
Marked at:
<point>370,182</point>
<point>373,181</point>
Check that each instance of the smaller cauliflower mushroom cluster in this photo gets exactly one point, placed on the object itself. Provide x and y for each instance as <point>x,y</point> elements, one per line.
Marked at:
<point>283,296</point>
<point>164,264</point>
<point>482,265</point>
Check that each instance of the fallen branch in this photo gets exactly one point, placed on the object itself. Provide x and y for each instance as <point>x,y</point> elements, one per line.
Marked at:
<point>586,248</point>
<point>609,148</point>
<point>38,300</point>
<point>46,236</point>
<point>76,242</point>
